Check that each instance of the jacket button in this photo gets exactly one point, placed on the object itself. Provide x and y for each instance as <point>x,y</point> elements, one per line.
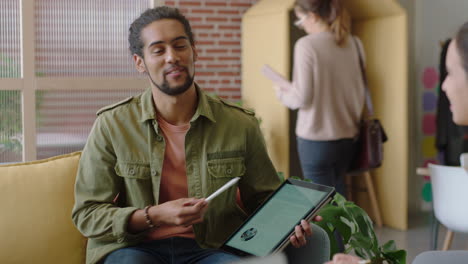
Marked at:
<point>153,172</point>
<point>132,171</point>
<point>159,138</point>
<point>229,171</point>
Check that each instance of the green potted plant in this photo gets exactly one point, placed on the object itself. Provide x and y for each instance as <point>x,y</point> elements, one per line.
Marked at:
<point>357,231</point>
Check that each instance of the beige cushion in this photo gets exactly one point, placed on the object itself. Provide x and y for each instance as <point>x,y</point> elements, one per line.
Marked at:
<point>36,199</point>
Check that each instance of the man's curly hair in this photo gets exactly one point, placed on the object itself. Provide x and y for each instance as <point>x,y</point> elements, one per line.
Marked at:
<point>148,17</point>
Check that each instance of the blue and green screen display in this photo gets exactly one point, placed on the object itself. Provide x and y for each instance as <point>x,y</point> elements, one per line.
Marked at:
<point>276,219</point>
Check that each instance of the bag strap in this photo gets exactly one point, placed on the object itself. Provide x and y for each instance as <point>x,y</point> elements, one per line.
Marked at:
<point>369,106</point>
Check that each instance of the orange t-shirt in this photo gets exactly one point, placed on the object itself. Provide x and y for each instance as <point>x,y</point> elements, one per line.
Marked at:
<point>173,177</point>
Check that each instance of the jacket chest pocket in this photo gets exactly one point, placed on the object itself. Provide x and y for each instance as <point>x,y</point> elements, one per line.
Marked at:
<point>220,172</point>
<point>136,177</point>
<point>137,171</point>
<point>224,169</point>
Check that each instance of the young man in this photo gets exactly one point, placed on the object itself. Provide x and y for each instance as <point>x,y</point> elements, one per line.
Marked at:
<point>151,159</point>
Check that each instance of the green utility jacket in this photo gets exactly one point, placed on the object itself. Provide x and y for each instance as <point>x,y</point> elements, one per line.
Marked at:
<point>124,156</point>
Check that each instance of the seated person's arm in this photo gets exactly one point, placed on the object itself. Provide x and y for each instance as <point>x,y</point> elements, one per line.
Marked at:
<point>184,212</point>
<point>97,186</point>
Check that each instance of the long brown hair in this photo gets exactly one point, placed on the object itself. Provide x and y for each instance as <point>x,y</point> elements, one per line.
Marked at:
<point>462,45</point>
<point>331,12</point>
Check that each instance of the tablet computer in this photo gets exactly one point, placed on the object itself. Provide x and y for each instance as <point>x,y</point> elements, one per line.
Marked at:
<point>268,229</point>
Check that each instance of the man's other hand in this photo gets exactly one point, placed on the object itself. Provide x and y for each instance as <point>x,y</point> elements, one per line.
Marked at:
<point>302,231</point>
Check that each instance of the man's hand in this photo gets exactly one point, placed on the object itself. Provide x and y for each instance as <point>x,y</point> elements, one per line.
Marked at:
<point>302,231</point>
<point>345,259</point>
<point>181,212</point>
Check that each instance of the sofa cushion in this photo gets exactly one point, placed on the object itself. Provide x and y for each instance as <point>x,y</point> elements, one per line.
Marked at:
<point>36,199</point>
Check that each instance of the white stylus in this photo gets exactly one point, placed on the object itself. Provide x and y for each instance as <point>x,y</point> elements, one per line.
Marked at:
<point>223,188</point>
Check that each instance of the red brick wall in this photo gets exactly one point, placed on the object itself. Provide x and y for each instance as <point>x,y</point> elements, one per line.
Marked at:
<point>217,28</point>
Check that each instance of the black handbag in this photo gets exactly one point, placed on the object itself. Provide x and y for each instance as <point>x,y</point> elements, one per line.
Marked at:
<point>369,152</point>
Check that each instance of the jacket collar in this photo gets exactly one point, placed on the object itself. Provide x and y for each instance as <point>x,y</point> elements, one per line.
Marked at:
<point>204,107</point>
<point>148,109</point>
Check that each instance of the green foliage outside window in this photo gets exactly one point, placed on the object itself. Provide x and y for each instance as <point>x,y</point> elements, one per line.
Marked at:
<point>8,67</point>
<point>10,108</point>
<point>10,116</point>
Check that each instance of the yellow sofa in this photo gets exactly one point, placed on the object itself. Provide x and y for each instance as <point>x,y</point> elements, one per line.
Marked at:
<point>36,199</point>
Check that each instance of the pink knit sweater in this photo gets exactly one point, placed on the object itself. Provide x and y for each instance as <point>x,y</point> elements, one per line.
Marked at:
<point>327,88</point>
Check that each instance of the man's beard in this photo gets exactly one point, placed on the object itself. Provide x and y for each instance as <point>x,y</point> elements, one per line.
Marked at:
<point>167,89</point>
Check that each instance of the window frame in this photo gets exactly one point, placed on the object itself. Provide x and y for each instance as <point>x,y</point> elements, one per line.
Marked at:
<point>28,84</point>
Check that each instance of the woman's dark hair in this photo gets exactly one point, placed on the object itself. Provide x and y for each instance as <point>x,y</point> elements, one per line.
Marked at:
<point>333,13</point>
<point>148,17</point>
<point>462,45</point>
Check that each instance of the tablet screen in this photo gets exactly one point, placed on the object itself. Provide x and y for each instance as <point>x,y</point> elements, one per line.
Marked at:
<point>275,220</point>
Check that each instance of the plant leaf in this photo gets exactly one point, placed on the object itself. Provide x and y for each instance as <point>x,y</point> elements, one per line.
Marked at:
<point>364,224</point>
<point>281,176</point>
<point>351,224</point>
<point>333,244</point>
<point>339,199</point>
<point>358,249</point>
<point>395,257</point>
<point>331,215</point>
<point>389,246</point>
<point>365,243</point>
<point>331,221</point>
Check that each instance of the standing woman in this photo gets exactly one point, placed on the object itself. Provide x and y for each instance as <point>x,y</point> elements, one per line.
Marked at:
<point>328,90</point>
<point>456,87</point>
